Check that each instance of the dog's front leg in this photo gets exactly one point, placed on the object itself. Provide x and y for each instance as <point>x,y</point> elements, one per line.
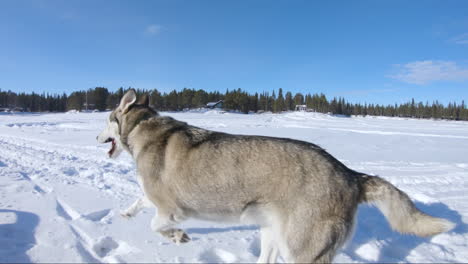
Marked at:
<point>136,207</point>
<point>163,223</point>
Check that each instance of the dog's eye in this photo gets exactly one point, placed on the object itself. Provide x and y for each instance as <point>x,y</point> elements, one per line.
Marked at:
<point>114,119</point>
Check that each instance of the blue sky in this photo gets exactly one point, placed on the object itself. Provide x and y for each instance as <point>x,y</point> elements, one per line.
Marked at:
<point>366,51</point>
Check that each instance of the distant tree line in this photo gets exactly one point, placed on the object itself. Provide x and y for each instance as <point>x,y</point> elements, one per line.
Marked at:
<point>101,98</point>
<point>33,102</point>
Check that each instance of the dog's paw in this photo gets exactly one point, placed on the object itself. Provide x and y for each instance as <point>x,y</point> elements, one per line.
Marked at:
<point>126,215</point>
<point>179,236</point>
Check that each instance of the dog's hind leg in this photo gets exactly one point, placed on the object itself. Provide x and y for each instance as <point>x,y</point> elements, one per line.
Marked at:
<point>316,242</point>
<point>136,207</point>
<point>269,249</point>
<point>163,223</point>
<point>266,218</point>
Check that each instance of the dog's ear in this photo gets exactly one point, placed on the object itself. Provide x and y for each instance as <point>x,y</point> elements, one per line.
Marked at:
<point>143,100</point>
<point>128,100</point>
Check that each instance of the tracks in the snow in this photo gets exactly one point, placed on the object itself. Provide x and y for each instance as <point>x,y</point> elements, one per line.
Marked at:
<point>39,168</point>
<point>41,162</point>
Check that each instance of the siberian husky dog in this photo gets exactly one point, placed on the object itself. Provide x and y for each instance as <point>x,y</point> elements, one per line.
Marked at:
<point>302,198</point>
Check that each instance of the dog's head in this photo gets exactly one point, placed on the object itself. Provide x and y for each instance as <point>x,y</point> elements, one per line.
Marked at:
<point>117,122</point>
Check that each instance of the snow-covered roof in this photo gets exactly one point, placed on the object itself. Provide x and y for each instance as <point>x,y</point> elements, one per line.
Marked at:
<point>211,104</point>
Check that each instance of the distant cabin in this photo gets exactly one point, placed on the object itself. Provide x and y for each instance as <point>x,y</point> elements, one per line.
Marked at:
<point>89,106</point>
<point>215,105</point>
<point>301,108</point>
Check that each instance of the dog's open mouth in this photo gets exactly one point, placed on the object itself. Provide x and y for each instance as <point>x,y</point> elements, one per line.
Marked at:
<point>111,151</point>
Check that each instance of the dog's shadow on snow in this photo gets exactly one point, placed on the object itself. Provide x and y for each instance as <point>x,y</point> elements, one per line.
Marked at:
<point>18,237</point>
<point>371,225</point>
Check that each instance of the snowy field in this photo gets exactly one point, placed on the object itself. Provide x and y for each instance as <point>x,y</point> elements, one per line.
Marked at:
<point>60,195</point>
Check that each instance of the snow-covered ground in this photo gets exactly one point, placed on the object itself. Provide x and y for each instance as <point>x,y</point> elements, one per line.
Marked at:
<point>60,195</point>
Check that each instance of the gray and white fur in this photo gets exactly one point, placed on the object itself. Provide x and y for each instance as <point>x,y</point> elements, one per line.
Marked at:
<point>303,199</point>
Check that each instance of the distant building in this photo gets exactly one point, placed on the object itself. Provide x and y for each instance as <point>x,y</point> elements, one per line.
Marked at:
<point>213,105</point>
<point>88,106</point>
<point>301,108</point>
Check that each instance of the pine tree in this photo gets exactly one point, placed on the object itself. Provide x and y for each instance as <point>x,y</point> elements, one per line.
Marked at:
<point>288,101</point>
<point>100,98</point>
<point>298,99</point>
<point>279,102</point>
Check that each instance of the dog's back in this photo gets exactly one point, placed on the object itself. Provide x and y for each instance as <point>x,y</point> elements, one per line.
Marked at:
<point>241,169</point>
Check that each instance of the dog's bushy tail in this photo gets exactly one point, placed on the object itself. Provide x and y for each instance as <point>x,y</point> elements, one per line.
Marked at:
<point>397,207</point>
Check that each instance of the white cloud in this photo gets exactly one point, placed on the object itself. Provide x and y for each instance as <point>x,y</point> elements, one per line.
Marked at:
<point>461,39</point>
<point>153,29</point>
<point>424,72</point>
